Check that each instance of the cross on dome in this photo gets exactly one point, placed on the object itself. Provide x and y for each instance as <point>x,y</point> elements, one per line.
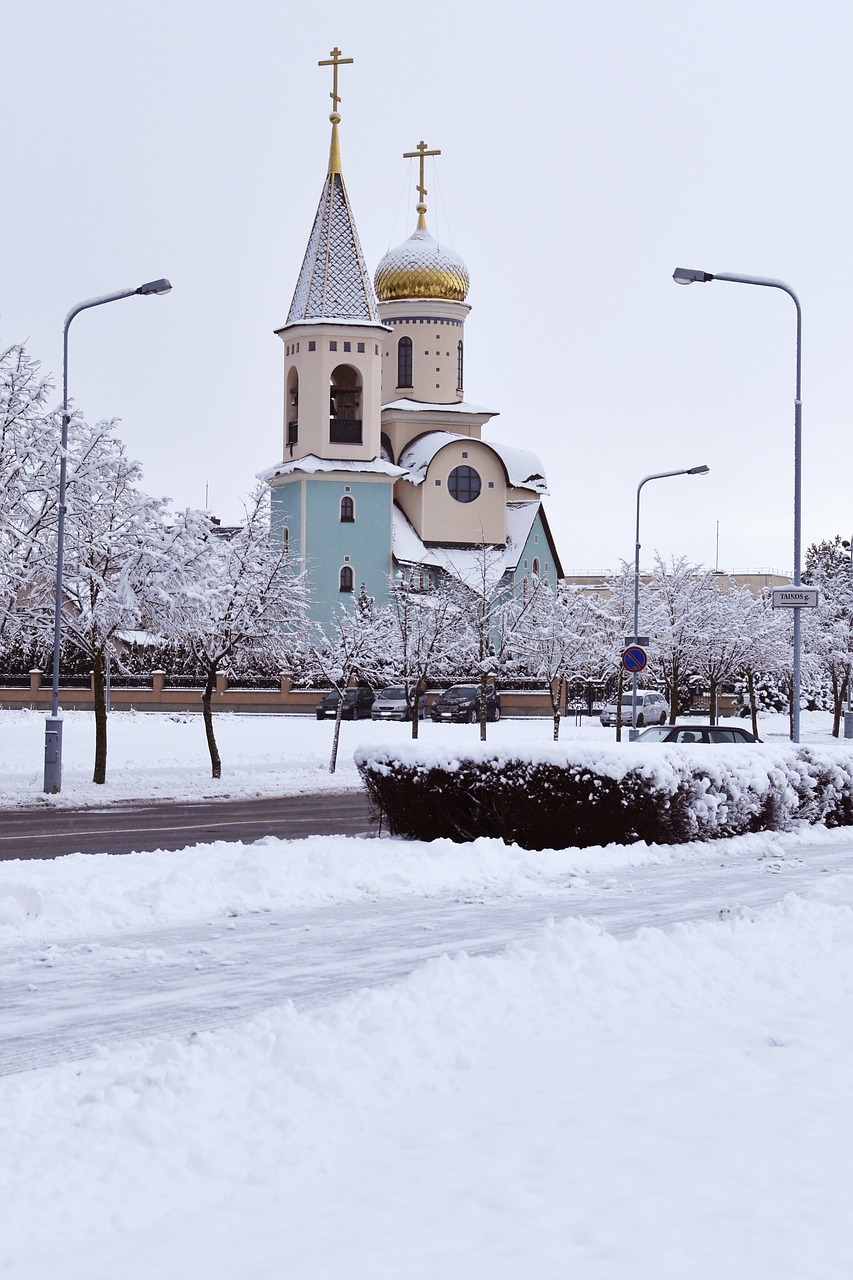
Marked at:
<point>334,60</point>
<point>421,153</point>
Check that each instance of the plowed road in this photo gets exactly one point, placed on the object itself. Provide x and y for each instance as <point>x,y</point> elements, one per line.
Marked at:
<point>123,828</point>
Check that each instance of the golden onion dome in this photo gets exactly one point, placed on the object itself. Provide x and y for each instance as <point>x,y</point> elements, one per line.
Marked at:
<point>420,267</point>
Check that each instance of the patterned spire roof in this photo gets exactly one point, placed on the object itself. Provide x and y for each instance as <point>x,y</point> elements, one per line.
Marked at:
<point>334,283</point>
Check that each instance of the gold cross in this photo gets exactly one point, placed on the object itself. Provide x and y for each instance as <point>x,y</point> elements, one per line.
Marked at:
<point>334,60</point>
<point>421,153</point>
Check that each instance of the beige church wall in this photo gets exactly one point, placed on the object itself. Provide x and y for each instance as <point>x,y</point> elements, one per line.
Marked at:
<point>446,520</point>
<point>434,348</point>
<point>314,370</point>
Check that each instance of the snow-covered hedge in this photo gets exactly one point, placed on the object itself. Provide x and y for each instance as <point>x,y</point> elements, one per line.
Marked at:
<point>575,796</point>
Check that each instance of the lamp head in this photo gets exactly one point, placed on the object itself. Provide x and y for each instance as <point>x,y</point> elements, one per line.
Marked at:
<point>687,275</point>
<point>155,286</point>
<point>698,471</point>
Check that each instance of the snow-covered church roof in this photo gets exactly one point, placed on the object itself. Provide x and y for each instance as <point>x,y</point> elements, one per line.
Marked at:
<point>312,465</point>
<point>334,284</point>
<point>523,469</point>
<point>467,562</point>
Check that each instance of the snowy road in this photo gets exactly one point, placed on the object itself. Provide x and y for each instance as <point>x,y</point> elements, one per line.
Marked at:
<point>63,1001</point>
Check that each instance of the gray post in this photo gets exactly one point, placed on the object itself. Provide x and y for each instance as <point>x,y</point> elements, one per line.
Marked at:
<point>53,723</point>
<point>659,475</point>
<point>686,275</point>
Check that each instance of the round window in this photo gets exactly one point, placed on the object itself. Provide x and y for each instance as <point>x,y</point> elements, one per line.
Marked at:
<point>464,484</point>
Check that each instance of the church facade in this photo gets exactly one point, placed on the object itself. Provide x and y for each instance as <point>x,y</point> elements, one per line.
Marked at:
<point>385,477</point>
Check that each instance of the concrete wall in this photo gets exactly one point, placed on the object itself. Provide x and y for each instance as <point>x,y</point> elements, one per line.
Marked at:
<point>155,695</point>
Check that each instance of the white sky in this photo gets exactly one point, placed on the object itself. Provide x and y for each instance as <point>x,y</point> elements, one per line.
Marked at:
<point>587,151</point>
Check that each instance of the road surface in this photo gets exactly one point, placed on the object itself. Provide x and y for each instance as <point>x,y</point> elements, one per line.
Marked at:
<point>126,827</point>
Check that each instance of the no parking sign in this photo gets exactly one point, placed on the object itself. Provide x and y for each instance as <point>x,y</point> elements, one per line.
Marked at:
<point>634,658</point>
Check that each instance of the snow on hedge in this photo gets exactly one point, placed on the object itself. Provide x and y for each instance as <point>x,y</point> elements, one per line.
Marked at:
<point>577,794</point>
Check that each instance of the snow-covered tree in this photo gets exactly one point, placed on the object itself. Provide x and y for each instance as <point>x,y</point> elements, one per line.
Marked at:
<point>491,616</point>
<point>359,644</point>
<point>678,599</point>
<point>559,636</point>
<point>29,452</point>
<point>119,561</point>
<point>828,629</point>
<point>423,633</point>
<point>237,604</point>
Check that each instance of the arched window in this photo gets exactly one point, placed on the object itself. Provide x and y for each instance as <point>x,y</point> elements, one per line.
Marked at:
<point>345,406</point>
<point>347,510</point>
<point>536,573</point>
<point>292,433</point>
<point>285,538</point>
<point>345,579</point>
<point>404,362</point>
<point>459,369</point>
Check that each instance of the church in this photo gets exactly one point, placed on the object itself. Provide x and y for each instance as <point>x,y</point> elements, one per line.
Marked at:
<point>385,478</point>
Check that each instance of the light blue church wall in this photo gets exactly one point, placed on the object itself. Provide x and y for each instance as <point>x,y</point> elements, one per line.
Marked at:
<point>327,544</point>
<point>537,547</point>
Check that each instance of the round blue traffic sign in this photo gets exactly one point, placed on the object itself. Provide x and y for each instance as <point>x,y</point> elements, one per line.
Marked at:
<point>634,658</point>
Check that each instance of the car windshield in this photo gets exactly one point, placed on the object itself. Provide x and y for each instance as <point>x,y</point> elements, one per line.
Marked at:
<point>394,693</point>
<point>657,734</point>
<point>461,691</point>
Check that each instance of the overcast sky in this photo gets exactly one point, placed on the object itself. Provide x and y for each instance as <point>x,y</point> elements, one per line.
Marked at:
<point>586,152</point>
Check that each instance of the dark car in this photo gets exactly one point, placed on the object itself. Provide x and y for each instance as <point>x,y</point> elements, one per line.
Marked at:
<point>461,704</point>
<point>357,704</point>
<point>687,733</point>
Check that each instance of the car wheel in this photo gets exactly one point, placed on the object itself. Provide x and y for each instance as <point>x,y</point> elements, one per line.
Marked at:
<point>640,721</point>
<point>662,720</point>
<point>472,716</point>
<point>497,714</point>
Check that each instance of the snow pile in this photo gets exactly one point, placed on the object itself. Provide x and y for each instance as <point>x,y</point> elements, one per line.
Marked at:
<point>674,1104</point>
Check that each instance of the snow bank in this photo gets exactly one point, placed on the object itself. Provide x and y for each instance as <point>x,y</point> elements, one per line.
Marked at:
<point>676,1104</point>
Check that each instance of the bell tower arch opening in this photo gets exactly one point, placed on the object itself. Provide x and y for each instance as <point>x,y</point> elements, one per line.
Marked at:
<point>291,400</point>
<point>345,406</point>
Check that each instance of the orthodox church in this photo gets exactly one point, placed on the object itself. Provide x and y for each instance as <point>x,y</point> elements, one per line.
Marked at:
<point>385,477</point>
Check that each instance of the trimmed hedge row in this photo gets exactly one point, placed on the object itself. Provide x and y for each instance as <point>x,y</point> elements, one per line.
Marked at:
<point>660,795</point>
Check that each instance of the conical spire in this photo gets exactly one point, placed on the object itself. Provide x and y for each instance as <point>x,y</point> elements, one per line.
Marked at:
<point>334,283</point>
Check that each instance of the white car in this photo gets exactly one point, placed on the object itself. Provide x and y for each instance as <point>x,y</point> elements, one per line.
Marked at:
<point>652,708</point>
<point>390,704</point>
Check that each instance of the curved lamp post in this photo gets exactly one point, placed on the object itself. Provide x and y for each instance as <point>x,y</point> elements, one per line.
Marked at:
<point>53,723</point>
<point>686,275</point>
<point>658,475</point>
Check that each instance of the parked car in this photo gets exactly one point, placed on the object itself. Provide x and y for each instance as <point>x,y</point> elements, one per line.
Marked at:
<point>461,703</point>
<point>652,708</point>
<point>357,704</point>
<point>688,733</point>
<point>390,704</point>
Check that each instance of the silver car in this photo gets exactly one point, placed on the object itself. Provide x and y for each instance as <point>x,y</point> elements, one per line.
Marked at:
<point>652,708</point>
<point>390,704</point>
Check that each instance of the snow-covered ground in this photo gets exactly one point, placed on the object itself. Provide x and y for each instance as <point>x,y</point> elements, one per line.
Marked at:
<point>595,1100</point>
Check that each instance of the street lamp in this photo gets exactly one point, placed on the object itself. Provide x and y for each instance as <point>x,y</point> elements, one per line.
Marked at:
<point>686,275</point>
<point>848,714</point>
<point>53,723</point>
<point>659,475</point>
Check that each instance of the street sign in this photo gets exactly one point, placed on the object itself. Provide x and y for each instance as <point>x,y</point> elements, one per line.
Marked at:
<point>795,597</point>
<point>642,641</point>
<point>634,658</point>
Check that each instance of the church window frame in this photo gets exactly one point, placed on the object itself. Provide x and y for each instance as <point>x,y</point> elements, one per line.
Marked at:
<point>346,579</point>
<point>464,484</point>
<point>460,365</point>
<point>347,509</point>
<point>405,362</point>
